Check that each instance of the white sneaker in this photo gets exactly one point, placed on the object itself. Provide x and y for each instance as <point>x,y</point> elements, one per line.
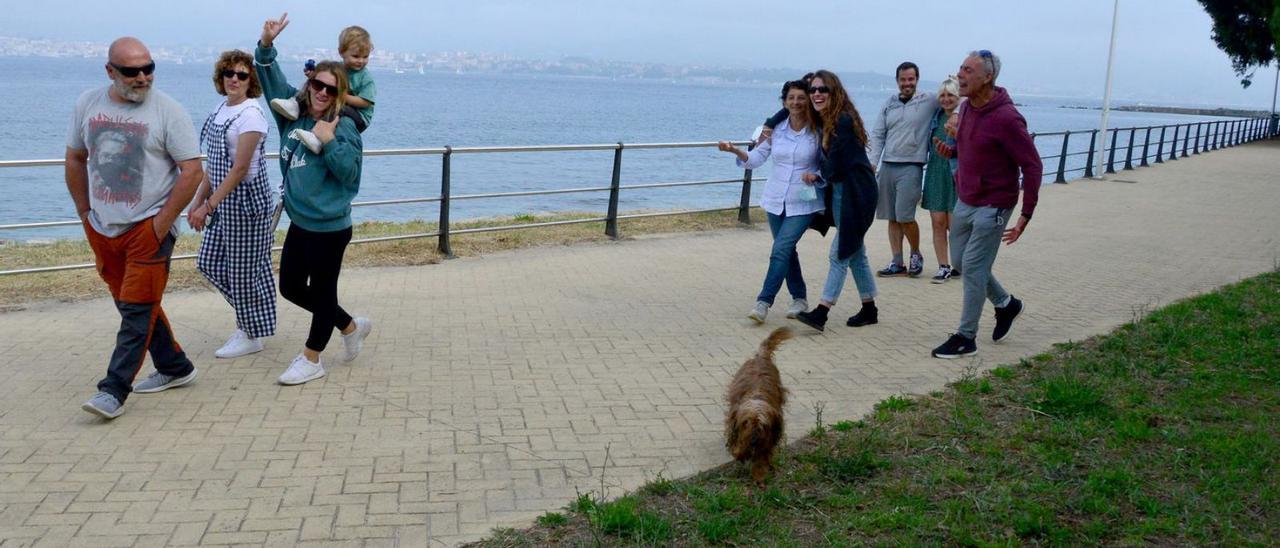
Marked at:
<point>308,139</point>
<point>240,344</point>
<point>354,341</point>
<point>797,306</point>
<point>759,312</point>
<point>286,107</point>
<point>301,370</point>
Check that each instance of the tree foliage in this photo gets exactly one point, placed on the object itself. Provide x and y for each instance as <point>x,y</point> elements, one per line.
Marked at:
<point>1247,30</point>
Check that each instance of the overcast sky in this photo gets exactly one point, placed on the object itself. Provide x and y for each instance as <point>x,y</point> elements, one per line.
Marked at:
<point>1164,51</point>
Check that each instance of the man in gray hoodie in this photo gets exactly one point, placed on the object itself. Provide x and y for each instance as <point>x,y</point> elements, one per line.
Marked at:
<point>900,146</point>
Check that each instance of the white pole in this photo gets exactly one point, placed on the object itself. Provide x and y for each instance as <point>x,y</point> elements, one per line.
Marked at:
<point>1106,97</point>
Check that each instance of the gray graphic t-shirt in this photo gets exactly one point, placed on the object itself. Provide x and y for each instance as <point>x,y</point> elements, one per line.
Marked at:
<point>134,150</point>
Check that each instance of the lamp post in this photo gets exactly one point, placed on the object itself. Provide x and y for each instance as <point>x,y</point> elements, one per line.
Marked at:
<point>1106,97</point>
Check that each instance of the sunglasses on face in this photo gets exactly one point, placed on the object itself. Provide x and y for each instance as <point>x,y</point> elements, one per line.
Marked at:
<point>820,89</point>
<point>241,75</point>
<point>318,86</point>
<point>132,72</point>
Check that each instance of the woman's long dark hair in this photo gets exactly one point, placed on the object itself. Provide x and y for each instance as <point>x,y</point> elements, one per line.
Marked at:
<point>839,103</point>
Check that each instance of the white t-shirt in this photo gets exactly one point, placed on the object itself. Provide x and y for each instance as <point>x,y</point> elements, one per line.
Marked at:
<point>253,121</point>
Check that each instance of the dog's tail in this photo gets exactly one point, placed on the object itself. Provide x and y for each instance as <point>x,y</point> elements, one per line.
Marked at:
<point>772,342</point>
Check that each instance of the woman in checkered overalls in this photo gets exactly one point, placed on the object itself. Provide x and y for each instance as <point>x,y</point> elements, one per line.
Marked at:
<point>234,206</point>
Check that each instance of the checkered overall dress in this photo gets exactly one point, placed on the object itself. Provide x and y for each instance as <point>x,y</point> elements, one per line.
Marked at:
<point>235,255</point>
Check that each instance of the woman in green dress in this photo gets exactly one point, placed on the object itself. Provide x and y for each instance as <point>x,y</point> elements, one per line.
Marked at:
<point>939,185</point>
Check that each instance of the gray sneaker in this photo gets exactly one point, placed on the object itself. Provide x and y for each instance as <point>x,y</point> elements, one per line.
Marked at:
<point>759,312</point>
<point>797,306</point>
<point>159,382</point>
<point>103,405</point>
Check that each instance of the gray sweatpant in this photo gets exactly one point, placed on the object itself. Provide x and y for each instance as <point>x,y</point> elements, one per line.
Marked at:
<point>975,240</point>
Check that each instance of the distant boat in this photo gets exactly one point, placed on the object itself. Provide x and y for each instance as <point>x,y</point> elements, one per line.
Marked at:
<point>420,71</point>
<point>399,70</point>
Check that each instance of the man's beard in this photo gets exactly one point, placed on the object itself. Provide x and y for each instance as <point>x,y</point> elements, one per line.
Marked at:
<point>131,94</point>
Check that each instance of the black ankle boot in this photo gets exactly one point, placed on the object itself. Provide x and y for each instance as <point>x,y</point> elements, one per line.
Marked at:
<point>867,316</point>
<point>816,318</point>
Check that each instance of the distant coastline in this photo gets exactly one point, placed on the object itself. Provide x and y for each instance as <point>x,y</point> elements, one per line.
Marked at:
<point>1193,111</point>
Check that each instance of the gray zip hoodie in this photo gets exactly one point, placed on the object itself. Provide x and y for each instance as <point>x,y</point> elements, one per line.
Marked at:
<point>901,134</point>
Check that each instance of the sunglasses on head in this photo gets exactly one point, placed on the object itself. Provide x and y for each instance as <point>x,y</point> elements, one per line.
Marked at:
<point>241,75</point>
<point>132,72</point>
<point>819,89</point>
<point>984,53</point>
<point>318,86</point>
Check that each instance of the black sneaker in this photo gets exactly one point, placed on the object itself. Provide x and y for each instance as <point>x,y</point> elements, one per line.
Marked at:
<point>917,266</point>
<point>958,346</point>
<point>868,315</point>
<point>816,318</point>
<point>892,271</point>
<point>1005,317</point>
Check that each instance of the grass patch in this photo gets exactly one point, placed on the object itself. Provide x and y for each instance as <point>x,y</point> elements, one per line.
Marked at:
<point>16,290</point>
<point>1162,433</point>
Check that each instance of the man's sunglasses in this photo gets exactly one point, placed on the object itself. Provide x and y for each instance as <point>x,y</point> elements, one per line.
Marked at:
<point>820,89</point>
<point>318,86</point>
<point>132,72</point>
<point>241,75</point>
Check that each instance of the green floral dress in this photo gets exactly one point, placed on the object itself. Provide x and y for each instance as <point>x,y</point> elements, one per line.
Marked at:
<point>939,185</point>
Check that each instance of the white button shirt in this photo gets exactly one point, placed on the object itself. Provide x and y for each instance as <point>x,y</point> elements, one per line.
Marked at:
<point>794,154</point>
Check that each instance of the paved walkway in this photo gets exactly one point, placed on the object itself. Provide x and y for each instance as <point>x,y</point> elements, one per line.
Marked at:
<point>493,388</point>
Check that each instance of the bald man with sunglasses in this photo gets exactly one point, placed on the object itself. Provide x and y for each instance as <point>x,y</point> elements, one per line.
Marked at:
<point>132,165</point>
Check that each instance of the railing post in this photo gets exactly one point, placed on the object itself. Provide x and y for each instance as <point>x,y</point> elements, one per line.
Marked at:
<point>1128,155</point>
<point>1173,145</point>
<point>1186,138</point>
<point>1062,159</point>
<point>1088,165</point>
<point>1111,157</point>
<point>611,223</point>
<point>744,202</point>
<point>1217,135</point>
<point>444,247</point>
<point>1146,146</point>
<point>1160,146</point>
<point>1198,146</point>
<point>1237,132</point>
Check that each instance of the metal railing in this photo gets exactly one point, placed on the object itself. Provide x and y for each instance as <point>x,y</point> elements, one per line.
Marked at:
<point>446,198</point>
<point>1171,142</point>
<point>1152,144</point>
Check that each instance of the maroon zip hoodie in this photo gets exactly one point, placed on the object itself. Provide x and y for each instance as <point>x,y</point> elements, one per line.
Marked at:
<point>992,145</point>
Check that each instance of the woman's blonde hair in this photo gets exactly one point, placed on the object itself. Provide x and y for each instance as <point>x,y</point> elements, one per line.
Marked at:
<point>950,85</point>
<point>340,77</point>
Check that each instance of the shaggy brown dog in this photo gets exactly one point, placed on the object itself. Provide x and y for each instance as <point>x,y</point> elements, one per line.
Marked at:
<point>753,424</point>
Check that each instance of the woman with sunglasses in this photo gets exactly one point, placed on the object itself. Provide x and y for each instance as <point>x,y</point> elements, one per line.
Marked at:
<point>234,205</point>
<point>851,185</point>
<point>318,190</point>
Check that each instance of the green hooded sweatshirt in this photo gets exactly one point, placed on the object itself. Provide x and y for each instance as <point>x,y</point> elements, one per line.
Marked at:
<point>318,188</point>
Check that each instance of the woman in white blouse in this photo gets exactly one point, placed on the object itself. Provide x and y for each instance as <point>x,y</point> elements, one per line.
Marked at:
<point>790,197</point>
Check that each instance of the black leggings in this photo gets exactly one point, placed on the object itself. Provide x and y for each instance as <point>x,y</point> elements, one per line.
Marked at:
<point>317,257</point>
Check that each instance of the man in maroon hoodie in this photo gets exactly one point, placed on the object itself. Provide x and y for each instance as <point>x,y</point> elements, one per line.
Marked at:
<point>993,147</point>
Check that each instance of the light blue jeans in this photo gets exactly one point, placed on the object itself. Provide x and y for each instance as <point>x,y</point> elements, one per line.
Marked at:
<point>975,240</point>
<point>857,264</point>
<point>784,262</point>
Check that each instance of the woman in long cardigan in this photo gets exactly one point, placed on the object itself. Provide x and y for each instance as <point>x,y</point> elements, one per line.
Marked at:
<point>851,188</point>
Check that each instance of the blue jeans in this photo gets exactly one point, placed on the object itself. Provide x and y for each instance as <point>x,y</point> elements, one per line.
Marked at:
<point>857,264</point>
<point>784,262</point>
<point>975,240</point>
